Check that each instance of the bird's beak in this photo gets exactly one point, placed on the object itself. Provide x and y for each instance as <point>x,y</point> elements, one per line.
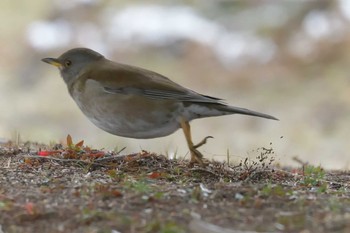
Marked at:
<point>53,61</point>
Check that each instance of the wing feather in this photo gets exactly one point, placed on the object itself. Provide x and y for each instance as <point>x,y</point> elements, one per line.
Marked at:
<point>130,80</point>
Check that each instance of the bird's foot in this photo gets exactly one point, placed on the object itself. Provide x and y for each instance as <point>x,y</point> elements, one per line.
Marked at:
<point>196,156</point>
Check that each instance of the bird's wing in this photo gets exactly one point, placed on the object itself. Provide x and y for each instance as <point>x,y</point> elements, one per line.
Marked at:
<point>185,96</point>
<point>119,79</point>
<point>129,80</point>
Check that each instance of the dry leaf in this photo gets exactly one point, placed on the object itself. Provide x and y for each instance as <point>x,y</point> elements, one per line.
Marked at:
<point>80,144</point>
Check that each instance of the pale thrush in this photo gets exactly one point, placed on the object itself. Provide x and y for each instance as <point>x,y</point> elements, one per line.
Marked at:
<point>132,102</point>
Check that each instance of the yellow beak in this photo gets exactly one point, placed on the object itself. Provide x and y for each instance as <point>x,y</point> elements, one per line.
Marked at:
<point>53,61</point>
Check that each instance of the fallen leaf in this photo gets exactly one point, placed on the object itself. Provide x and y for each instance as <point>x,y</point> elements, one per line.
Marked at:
<point>48,152</point>
<point>154,175</point>
<point>30,208</point>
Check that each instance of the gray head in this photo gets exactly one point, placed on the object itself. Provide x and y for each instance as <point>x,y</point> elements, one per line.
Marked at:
<point>73,61</point>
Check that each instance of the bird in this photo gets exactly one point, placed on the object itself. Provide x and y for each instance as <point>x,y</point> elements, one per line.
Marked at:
<point>134,102</point>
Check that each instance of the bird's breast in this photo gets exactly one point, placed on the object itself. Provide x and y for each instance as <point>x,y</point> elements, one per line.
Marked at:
<point>126,115</point>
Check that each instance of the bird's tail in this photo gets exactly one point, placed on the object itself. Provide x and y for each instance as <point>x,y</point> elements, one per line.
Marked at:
<point>244,111</point>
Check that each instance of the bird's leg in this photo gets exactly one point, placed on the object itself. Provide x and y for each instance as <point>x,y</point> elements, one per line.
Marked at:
<point>196,156</point>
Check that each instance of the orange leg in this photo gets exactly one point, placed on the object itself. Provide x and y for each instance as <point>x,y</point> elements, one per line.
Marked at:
<point>196,156</point>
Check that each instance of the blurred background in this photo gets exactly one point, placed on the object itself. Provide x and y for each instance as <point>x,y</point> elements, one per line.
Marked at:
<point>287,59</point>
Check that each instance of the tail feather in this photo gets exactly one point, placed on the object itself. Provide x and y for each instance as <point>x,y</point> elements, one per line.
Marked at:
<point>244,111</point>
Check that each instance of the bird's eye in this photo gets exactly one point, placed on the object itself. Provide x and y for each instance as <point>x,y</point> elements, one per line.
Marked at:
<point>67,63</point>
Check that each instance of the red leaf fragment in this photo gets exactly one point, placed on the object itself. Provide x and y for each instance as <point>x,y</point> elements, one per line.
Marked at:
<point>30,208</point>
<point>48,152</point>
<point>98,154</point>
<point>116,193</point>
<point>155,175</point>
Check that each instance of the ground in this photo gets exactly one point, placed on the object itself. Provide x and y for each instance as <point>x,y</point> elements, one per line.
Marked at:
<point>77,189</point>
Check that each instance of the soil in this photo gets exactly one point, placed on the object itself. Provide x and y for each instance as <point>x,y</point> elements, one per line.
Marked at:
<point>77,189</point>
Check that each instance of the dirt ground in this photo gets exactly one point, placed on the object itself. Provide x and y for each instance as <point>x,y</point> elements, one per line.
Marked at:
<point>77,189</point>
